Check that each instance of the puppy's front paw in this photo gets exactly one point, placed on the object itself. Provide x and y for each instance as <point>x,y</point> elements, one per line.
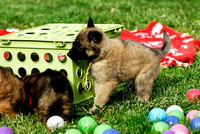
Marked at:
<point>14,114</point>
<point>143,98</point>
<point>92,110</point>
<point>43,119</point>
<point>144,95</point>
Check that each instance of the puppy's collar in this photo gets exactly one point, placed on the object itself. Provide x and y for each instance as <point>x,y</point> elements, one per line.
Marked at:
<point>29,100</point>
<point>85,83</point>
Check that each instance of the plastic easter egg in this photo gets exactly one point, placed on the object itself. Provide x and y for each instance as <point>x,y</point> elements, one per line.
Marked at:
<point>111,131</point>
<point>157,114</point>
<point>195,123</point>
<point>190,115</point>
<point>101,128</point>
<point>171,120</point>
<point>197,114</point>
<point>193,95</point>
<point>178,114</point>
<point>159,127</point>
<point>73,131</point>
<point>6,130</point>
<point>55,122</point>
<point>174,107</point>
<point>179,128</point>
<point>168,132</point>
<point>87,124</point>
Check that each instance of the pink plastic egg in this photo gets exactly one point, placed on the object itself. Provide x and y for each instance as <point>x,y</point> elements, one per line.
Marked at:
<point>179,128</point>
<point>191,114</point>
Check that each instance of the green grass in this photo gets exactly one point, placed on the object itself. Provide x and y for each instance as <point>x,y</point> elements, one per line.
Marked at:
<point>123,112</point>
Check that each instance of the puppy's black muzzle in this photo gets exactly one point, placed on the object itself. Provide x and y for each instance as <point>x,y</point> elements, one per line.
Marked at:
<point>72,55</point>
<point>69,54</point>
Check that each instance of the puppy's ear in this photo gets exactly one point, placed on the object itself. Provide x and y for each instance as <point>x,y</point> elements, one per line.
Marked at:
<point>90,23</point>
<point>94,36</point>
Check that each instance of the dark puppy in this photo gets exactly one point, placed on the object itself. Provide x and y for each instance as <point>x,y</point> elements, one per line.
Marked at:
<point>12,93</point>
<point>115,61</point>
<point>50,93</point>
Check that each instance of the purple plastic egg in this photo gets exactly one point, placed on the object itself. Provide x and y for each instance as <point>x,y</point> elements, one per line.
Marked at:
<point>6,130</point>
<point>168,132</point>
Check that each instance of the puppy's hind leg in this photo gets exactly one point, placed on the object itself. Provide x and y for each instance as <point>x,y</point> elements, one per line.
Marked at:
<point>102,93</point>
<point>44,103</point>
<point>7,108</point>
<point>67,106</point>
<point>144,82</point>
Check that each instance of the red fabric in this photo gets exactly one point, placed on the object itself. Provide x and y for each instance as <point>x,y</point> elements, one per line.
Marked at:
<point>3,31</point>
<point>183,48</point>
<point>7,31</point>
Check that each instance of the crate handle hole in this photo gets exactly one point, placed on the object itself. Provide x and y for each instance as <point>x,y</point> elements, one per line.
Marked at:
<point>10,69</point>
<point>35,70</point>
<point>62,58</point>
<point>64,72</point>
<point>8,56</point>
<point>21,34</point>
<point>21,56</point>
<point>89,85</point>
<point>79,72</point>
<point>45,28</point>
<point>34,57</point>
<point>30,33</point>
<point>43,33</point>
<point>80,88</point>
<point>70,34</point>
<point>22,71</point>
<point>65,27</point>
<point>48,57</point>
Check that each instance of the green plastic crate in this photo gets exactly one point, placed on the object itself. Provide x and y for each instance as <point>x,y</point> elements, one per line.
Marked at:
<point>36,49</point>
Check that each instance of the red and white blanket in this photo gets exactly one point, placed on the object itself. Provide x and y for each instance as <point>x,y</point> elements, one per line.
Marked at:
<point>7,31</point>
<point>183,49</point>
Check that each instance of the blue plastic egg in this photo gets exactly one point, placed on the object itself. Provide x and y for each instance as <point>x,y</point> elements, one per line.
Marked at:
<point>171,120</point>
<point>157,114</point>
<point>195,123</point>
<point>111,131</point>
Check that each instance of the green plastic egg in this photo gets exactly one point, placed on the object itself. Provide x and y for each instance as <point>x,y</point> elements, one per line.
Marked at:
<point>73,131</point>
<point>87,124</point>
<point>159,127</point>
<point>101,128</point>
<point>178,114</point>
<point>197,114</point>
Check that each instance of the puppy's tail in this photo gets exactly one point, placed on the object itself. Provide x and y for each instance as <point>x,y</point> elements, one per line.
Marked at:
<point>167,44</point>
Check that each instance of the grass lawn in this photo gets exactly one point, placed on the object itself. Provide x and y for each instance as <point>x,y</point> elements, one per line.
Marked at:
<point>123,112</point>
